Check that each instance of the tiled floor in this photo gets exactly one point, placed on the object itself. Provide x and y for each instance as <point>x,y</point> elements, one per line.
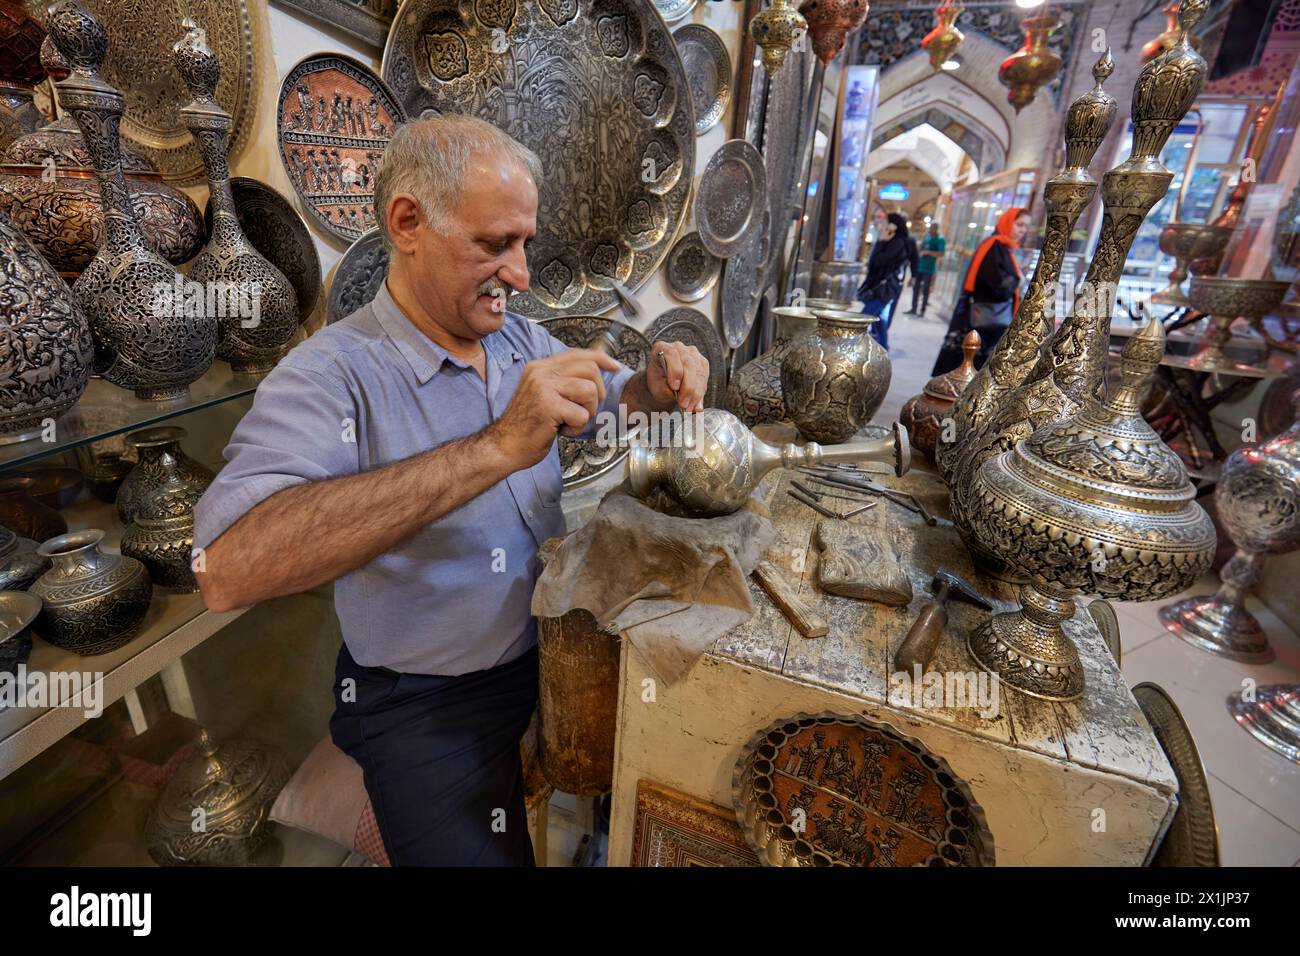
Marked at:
<point>1256,793</point>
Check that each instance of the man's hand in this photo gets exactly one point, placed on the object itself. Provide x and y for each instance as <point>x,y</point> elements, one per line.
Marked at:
<point>556,395</point>
<point>687,375</point>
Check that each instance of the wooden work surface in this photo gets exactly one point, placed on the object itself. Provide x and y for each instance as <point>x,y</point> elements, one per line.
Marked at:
<point>1103,731</point>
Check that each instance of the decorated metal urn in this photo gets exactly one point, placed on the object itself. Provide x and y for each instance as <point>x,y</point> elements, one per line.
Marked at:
<point>715,461</point>
<point>144,339</point>
<point>1258,502</point>
<point>754,392</point>
<point>1187,242</point>
<point>834,379</point>
<point>162,535</point>
<point>1067,195</point>
<point>944,38</point>
<point>1072,367</point>
<point>1034,64</point>
<point>253,336</point>
<point>161,461</point>
<point>1095,503</point>
<point>924,415</point>
<point>20,70</point>
<point>1222,299</point>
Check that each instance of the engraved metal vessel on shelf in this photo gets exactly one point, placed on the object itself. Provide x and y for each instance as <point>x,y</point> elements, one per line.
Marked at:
<point>925,415</point>
<point>1187,242</point>
<point>1223,299</point>
<point>145,339</point>
<point>1094,503</point>
<point>161,536</point>
<point>1258,504</point>
<point>161,461</point>
<point>1066,195</point>
<point>596,88</point>
<point>713,462</point>
<point>834,379</point>
<point>1071,369</point>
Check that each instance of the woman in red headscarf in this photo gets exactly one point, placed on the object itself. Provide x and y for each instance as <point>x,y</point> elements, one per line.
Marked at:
<point>990,292</point>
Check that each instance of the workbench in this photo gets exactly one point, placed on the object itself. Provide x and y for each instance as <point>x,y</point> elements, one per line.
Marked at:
<point>1078,783</point>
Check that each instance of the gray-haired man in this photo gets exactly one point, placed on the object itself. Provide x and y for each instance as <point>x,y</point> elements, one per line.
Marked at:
<point>408,453</point>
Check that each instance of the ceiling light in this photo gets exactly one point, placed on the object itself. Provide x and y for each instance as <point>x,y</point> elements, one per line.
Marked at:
<point>951,65</point>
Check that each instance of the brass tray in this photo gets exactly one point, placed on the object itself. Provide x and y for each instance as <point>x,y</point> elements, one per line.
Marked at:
<point>140,64</point>
<point>597,89</point>
<point>358,277</point>
<point>691,270</point>
<point>1193,835</point>
<point>842,790</point>
<point>334,119</point>
<point>279,233</point>
<point>583,460</point>
<point>708,71</point>
<point>731,198</point>
<point>695,328</point>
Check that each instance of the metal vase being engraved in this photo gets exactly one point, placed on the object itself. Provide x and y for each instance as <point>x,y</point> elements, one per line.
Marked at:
<point>142,343</point>
<point>231,788</point>
<point>1258,502</point>
<point>754,393</point>
<point>259,315</point>
<point>93,602</point>
<point>1067,195</point>
<point>834,379</point>
<point>924,415</point>
<point>45,343</point>
<point>718,461</point>
<point>1071,369</point>
<point>162,535</point>
<point>161,461</point>
<point>1095,503</point>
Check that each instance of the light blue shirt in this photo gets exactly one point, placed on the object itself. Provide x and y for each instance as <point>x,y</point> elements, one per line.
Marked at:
<point>372,390</point>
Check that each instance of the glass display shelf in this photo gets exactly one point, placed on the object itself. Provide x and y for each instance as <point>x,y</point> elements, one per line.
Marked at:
<point>106,410</point>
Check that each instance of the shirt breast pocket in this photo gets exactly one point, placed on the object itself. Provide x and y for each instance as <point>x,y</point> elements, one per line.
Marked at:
<point>547,479</point>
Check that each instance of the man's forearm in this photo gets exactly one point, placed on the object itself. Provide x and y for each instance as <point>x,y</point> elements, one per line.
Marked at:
<point>307,535</point>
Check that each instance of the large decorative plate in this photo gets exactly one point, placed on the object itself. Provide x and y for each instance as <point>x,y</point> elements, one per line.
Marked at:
<point>695,328</point>
<point>276,230</point>
<point>367,20</point>
<point>731,198</point>
<point>582,460</point>
<point>708,71</point>
<point>1193,836</point>
<point>596,88</point>
<point>358,277</point>
<point>334,119</point>
<point>841,790</point>
<point>742,283</point>
<point>674,10</point>
<point>785,153</point>
<point>140,64</point>
<point>691,270</point>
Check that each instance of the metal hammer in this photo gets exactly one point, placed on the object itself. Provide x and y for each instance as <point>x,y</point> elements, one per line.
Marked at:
<point>923,637</point>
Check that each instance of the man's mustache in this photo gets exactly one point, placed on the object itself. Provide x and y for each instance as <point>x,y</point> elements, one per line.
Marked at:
<point>494,286</point>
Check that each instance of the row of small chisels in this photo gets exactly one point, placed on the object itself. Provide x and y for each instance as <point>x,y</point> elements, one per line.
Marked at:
<point>846,483</point>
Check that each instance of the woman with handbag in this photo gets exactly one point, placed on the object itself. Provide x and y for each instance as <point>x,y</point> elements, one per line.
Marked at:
<point>879,292</point>
<point>990,292</point>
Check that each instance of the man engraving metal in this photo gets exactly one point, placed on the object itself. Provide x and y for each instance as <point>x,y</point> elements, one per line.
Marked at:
<point>408,453</point>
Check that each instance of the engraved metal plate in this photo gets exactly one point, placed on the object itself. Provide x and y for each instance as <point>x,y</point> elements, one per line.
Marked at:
<point>674,10</point>
<point>693,327</point>
<point>276,230</point>
<point>357,277</point>
<point>334,118</point>
<point>731,197</point>
<point>785,152</point>
<point>742,284</point>
<point>596,88</point>
<point>708,71</point>
<point>582,460</point>
<point>367,20</point>
<point>864,793</point>
<point>140,64</point>
<point>691,270</point>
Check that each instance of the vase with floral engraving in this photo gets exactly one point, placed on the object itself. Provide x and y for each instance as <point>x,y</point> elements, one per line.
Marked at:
<point>834,379</point>
<point>259,316</point>
<point>20,565</point>
<point>924,415</point>
<point>162,535</point>
<point>754,392</point>
<point>144,340</point>
<point>161,460</point>
<point>94,602</point>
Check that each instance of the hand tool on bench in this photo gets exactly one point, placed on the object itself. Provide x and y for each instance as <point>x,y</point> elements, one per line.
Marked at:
<point>923,637</point>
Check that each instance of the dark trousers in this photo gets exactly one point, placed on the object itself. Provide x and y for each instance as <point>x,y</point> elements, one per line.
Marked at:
<point>441,759</point>
<point>921,289</point>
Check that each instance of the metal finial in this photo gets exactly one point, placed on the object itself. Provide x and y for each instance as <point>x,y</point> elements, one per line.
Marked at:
<point>1103,68</point>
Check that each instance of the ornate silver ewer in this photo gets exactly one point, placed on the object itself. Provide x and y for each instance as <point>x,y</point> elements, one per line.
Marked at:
<point>1067,195</point>
<point>714,472</point>
<point>145,339</point>
<point>1095,503</point>
<point>1071,369</point>
<point>253,337</point>
<point>1258,501</point>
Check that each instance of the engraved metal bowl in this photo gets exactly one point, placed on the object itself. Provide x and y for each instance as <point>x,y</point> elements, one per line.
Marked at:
<point>1226,296</point>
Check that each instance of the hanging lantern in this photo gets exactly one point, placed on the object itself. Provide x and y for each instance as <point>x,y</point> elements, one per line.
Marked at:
<point>1169,39</point>
<point>942,41</point>
<point>776,30</point>
<point>830,22</point>
<point>1033,65</point>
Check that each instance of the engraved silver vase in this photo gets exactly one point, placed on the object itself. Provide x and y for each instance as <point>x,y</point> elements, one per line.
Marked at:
<point>94,602</point>
<point>834,379</point>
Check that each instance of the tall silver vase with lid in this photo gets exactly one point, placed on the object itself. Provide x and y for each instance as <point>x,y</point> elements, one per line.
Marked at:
<point>145,340</point>
<point>258,316</point>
